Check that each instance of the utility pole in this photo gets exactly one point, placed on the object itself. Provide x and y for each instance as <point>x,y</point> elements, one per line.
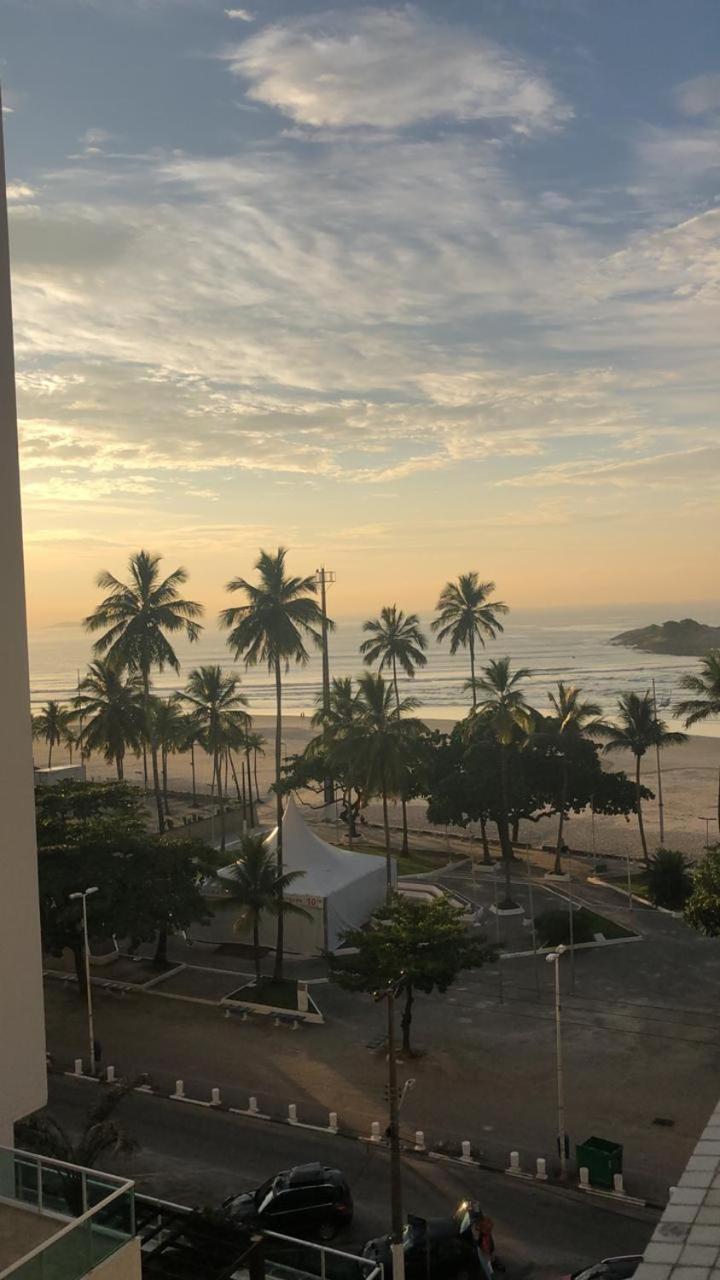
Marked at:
<point>84,894</point>
<point>554,958</point>
<point>325,578</point>
<point>661,808</point>
<point>396,1206</point>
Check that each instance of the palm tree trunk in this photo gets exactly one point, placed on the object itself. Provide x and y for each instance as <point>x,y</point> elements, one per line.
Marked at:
<point>153,750</point>
<point>120,766</point>
<point>145,768</point>
<point>192,767</point>
<point>487,860</point>
<point>503,829</point>
<point>240,794</point>
<point>388,847</point>
<point>557,869</point>
<point>161,956</point>
<point>249,788</point>
<point>256,947</point>
<point>221,798</point>
<point>49,763</point>
<point>280,937</point>
<point>257,789</point>
<point>406,1020</point>
<point>164,759</point>
<point>472,670</point>
<point>404,846</point>
<point>638,801</point>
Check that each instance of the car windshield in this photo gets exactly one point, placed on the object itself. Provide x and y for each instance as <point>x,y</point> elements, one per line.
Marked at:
<point>264,1194</point>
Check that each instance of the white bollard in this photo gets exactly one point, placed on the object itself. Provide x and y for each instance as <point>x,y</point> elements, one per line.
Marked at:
<point>618,1185</point>
<point>215,1098</point>
<point>514,1166</point>
<point>253,1106</point>
<point>333,1124</point>
<point>303,1000</point>
<point>292,1113</point>
<point>541,1169</point>
<point>419,1140</point>
<point>110,1075</point>
<point>466,1149</point>
<point>584,1179</point>
<point>179,1089</point>
<point>78,1067</point>
<point>375,1131</point>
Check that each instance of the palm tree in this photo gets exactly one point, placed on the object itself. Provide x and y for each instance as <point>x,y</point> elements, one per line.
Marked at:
<point>100,1134</point>
<point>380,746</point>
<point>139,615</point>
<point>261,889</point>
<point>216,701</point>
<point>571,719</point>
<point>271,628</point>
<point>52,723</point>
<point>507,716</point>
<point>467,616</point>
<point>191,737</point>
<point>395,640</point>
<point>339,719</point>
<point>706,703</point>
<point>110,708</point>
<point>169,729</point>
<point>638,729</point>
<point>256,744</point>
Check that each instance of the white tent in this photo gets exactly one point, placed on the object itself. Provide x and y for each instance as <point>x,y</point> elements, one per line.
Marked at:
<point>339,889</point>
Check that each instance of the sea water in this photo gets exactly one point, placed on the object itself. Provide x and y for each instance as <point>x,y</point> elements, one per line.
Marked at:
<point>571,644</point>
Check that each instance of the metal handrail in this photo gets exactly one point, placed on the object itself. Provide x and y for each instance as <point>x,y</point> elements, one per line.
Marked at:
<point>376,1268</point>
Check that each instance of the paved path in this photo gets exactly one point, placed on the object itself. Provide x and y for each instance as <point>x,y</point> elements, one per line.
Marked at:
<point>194,1156</point>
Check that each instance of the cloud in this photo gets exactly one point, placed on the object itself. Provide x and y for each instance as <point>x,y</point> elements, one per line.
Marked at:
<point>662,471</point>
<point>18,191</point>
<point>242,15</point>
<point>389,69</point>
<point>701,94</point>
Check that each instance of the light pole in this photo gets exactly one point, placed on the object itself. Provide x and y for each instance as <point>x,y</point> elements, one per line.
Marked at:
<point>554,958</point>
<point>396,1206</point>
<point>85,894</point>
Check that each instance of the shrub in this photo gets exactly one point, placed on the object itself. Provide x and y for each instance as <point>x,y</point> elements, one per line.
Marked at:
<point>702,909</point>
<point>669,881</point>
<point>553,928</point>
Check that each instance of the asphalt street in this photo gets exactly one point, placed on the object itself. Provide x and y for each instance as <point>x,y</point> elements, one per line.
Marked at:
<point>195,1156</point>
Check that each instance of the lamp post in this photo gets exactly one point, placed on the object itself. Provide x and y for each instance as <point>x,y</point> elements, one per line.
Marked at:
<point>84,895</point>
<point>396,1206</point>
<point>554,958</point>
<point>707,822</point>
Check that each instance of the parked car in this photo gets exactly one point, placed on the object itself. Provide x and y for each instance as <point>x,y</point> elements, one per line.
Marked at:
<point>620,1268</point>
<point>309,1200</point>
<point>435,1248</point>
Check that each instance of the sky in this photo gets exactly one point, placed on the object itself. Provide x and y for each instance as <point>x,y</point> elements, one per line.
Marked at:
<point>411,289</point>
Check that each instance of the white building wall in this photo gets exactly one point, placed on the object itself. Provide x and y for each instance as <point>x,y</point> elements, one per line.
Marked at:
<point>22,1035</point>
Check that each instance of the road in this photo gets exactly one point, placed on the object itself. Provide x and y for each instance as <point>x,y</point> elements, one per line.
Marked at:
<point>191,1155</point>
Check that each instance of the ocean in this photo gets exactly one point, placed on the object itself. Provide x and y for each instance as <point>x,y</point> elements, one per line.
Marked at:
<point>569,644</point>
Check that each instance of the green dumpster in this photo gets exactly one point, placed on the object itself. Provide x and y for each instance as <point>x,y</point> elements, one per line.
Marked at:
<point>601,1158</point>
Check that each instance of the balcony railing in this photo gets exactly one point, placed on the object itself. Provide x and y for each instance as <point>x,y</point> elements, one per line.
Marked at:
<point>88,1215</point>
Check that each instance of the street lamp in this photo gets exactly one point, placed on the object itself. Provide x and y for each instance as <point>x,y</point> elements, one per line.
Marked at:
<point>396,1206</point>
<point>85,894</point>
<point>554,958</point>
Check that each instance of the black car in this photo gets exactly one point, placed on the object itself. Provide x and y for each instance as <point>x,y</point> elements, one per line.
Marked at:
<point>435,1248</point>
<point>309,1200</point>
<point>621,1268</point>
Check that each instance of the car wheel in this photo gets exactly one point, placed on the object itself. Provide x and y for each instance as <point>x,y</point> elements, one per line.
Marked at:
<point>327,1230</point>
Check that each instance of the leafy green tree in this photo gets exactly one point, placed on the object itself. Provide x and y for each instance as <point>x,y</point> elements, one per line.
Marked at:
<point>101,1135</point>
<point>504,711</point>
<point>705,705</point>
<point>71,811</point>
<point>702,909</point>
<point>412,947</point>
<point>467,617</point>
<point>669,879</point>
<point>53,723</point>
<point>571,719</point>
<point>280,613</point>
<point>137,617</point>
<point>217,705</point>
<point>395,640</point>
<point>637,729</point>
<point>109,705</point>
<point>260,890</point>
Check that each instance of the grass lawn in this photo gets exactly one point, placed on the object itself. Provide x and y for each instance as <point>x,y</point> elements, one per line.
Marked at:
<point>602,924</point>
<point>586,924</point>
<point>412,864</point>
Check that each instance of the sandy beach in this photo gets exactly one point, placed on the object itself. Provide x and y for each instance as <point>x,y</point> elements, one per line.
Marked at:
<point>689,773</point>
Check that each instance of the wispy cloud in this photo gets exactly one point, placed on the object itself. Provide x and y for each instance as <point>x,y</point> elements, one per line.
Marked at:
<point>240,15</point>
<point>389,68</point>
